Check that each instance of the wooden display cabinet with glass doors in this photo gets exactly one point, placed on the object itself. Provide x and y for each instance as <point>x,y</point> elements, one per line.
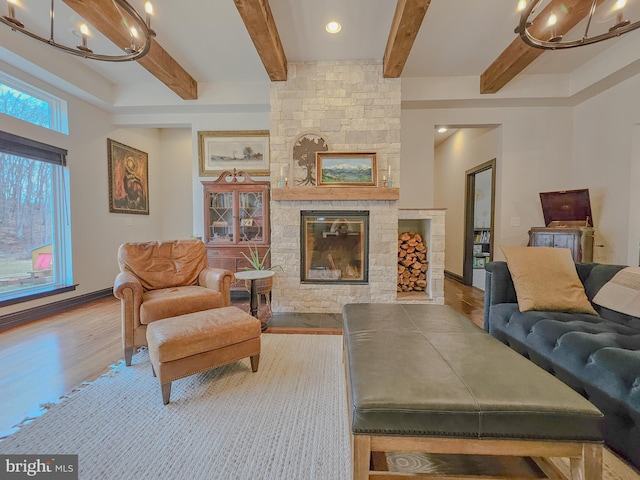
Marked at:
<point>236,217</point>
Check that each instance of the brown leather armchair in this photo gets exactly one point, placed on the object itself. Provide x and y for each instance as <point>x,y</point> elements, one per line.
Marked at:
<point>165,279</point>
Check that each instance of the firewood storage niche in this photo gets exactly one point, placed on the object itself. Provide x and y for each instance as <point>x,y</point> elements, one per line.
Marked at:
<point>334,246</point>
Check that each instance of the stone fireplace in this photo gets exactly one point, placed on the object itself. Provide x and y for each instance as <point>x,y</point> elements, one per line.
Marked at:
<point>355,109</point>
<point>292,295</point>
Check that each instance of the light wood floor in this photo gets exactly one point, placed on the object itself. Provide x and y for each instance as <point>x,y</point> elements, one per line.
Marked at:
<point>44,360</point>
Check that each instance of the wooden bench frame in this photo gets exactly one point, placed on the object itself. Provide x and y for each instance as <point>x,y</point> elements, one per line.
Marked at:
<point>585,458</point>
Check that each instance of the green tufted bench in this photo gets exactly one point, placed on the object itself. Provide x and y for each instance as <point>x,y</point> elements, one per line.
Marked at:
<point>423,378</point>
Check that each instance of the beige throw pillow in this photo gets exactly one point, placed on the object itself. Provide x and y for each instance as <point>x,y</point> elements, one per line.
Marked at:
<point>545,278</point>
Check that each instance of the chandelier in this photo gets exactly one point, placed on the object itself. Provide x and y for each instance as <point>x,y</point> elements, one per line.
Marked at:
<point>540,31</point>
<point>138,30</point>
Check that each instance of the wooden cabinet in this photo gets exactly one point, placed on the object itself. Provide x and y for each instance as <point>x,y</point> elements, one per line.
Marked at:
<point>569,223</point>
<point>236,217</point>
<point>577,239</point>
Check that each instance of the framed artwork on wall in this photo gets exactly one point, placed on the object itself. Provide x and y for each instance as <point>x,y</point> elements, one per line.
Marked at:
<point>128,179</point>
<point>244,150</point>
<point>346,169</point>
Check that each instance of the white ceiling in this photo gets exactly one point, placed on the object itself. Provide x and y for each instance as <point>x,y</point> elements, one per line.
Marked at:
<point>208,38</point>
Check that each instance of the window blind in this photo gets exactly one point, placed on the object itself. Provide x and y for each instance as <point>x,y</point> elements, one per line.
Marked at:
<point>25,147</point>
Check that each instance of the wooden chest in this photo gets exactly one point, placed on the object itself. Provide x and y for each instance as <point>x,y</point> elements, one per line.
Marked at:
<point>567,215</point>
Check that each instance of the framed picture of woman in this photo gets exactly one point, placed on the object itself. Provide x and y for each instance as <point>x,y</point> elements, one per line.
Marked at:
<point>128,179</point>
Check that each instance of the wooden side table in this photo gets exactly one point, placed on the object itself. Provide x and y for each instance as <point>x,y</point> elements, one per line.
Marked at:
<point>253,275</point>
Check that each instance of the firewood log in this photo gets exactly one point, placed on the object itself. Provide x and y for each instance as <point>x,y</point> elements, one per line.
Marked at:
<point>412,262</point>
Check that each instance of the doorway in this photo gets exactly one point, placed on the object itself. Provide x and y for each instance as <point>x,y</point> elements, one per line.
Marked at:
<point>479,222</point>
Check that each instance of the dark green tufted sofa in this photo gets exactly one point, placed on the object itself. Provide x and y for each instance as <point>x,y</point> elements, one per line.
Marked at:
<point>598,356</point>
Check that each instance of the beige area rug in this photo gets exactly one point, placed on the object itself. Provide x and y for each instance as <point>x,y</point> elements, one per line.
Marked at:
<point>288,421</point>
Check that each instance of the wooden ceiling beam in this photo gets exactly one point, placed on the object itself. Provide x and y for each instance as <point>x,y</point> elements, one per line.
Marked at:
<point>258,19</point>
<point>404,29</point>
<point>518,55</point>
<point>102,16</point>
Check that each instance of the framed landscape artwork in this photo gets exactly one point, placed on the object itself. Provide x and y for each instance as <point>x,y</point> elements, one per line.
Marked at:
<point>246,150</point>
<point>128,179</point>
<point>346,169</point>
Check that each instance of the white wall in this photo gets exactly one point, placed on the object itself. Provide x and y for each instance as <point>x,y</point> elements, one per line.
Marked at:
<point>533,155</point>
<point>95,233</point>
<point>606,159</point>
<point>175,192</point>
<point>176,199</point>
<point>464,150</point>
<point>416,161</point>
<point>634,201</point>
<point>594,145</point>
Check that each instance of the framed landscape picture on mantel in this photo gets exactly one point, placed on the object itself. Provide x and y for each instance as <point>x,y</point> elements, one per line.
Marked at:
<point>246,150</point>
<point>346,169</point>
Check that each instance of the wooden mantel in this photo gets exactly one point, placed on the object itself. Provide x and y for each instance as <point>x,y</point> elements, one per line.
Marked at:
<point>335,193</point>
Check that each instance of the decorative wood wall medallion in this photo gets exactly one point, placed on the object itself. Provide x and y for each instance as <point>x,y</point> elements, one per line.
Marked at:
<point>304,158</point>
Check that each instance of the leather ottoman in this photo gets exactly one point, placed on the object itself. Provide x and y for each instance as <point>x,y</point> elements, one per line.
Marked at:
<point>192,343</point>
<point>423,378</point>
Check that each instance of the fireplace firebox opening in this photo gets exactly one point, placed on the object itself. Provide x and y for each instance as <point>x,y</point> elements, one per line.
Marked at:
<point>334,246</point>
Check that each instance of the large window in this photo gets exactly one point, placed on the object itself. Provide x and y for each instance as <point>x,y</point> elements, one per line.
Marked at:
<point>35,238</point>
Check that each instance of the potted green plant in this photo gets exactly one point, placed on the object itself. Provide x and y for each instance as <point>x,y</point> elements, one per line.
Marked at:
<point>263,285</point>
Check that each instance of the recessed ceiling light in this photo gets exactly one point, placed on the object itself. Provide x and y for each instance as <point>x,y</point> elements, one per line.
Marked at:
<point>333,27</point>
<point>442,129</point>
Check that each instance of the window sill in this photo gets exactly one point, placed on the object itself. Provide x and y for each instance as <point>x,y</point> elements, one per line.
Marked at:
<point>28,296</point>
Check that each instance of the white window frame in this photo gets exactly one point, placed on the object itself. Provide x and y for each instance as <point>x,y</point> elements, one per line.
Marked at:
<point>58,119</point>
<point>63,271</point>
